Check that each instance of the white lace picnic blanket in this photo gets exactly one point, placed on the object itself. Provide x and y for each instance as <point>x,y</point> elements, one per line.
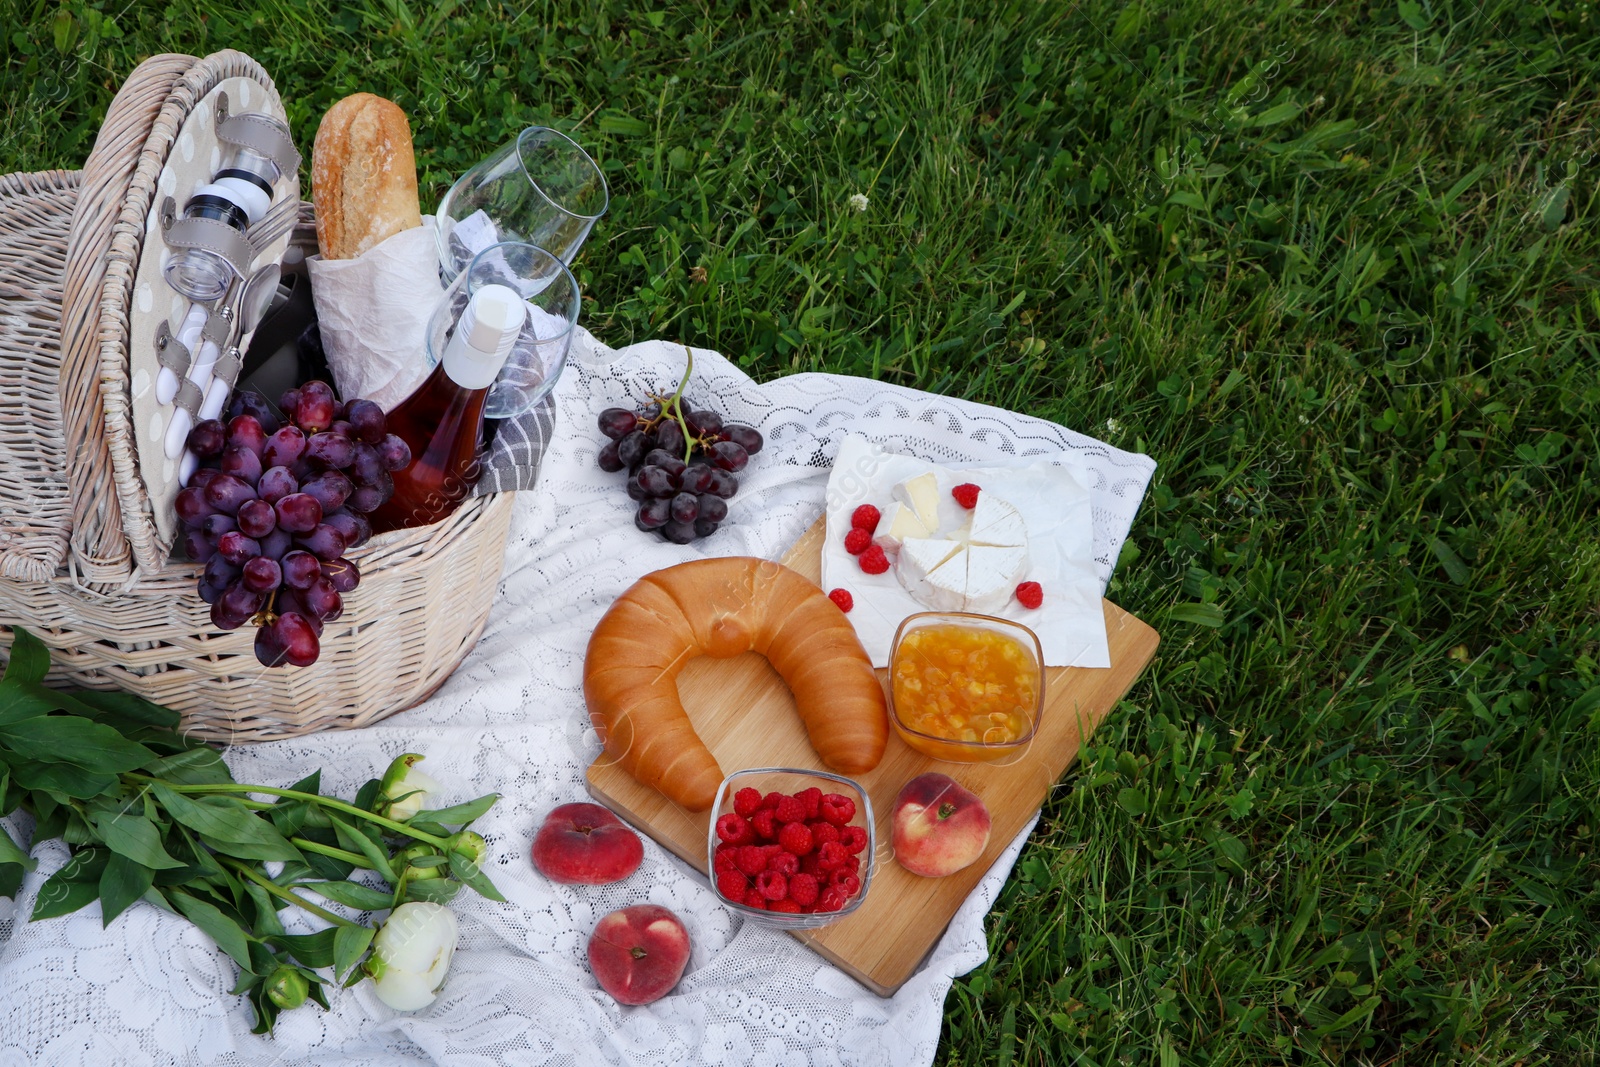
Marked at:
<point>152,989</point>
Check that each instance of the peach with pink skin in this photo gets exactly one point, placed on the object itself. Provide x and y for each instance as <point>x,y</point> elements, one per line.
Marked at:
<point>939,826</point>
<point>638,954</point>
<point>584,844</point>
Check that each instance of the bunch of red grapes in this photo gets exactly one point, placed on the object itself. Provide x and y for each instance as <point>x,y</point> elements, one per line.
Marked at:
<point>681,464</point>
<point>276,506</point>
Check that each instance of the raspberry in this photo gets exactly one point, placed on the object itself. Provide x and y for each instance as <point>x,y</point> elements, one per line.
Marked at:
<point>765,824</point>
<point>746,801</point>
<point>823,832</point>
<point>851,865</point>
<point>838,809</point>
<point>854,839</point>
<point>785,863</point>
<point>842,598</point>
<point>773,885</point>
<point>770,801</point>
<point>873,561</point>
<point>813,801</point>
<point>857,542</point>
<point>795,837</point>
<point>1030,594</point>
<point>754,899</point>
<point>831,899</point>
<point>751,860</point>
<point>784,905</point>
<point>865,518</point>
<point>732,885</point>
<point>842,879</point>
<point>791,809</point>
<point>829,857</point>
<point>734,830</point>
<point>808,864</point>
<point>723,862</point>
<point>773,851</point>
<point>966,495</point>
<point>803,889</point>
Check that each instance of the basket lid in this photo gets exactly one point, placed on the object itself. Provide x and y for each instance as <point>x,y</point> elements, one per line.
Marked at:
<point>152,153</point>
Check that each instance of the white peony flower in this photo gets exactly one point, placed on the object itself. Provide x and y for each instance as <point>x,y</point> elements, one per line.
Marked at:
<point>411,955</point>
<point>407,787</point>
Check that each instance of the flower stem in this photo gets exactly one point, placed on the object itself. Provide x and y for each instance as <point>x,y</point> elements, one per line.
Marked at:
<point>354,859</point>
<point>278,891</point>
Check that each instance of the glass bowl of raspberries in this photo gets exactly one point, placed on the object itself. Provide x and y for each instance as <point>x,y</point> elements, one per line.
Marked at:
<point>791,848</point>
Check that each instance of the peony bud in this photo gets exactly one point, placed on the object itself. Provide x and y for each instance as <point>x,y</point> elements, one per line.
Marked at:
<point>405,788</point>
<point>469,846</point>
<point>411,955</point>
<point>425,872</point>
<point>287,988</point>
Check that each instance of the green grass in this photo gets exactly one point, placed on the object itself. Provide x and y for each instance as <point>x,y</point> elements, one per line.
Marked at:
<point>1334,265</point>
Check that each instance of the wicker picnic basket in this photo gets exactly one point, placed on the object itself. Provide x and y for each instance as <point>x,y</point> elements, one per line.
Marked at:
<point>82,563</point>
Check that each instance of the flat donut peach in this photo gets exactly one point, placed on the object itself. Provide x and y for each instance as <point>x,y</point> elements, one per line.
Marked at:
<point>720,608</point>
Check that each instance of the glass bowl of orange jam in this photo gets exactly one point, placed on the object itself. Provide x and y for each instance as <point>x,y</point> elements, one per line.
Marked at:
<point>965,688</point>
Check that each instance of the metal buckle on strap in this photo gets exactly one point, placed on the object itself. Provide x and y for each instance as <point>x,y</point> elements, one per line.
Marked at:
<point>227,366</point>
<point>213,235</point>
<point>172,353</point>
<point>257,134</point>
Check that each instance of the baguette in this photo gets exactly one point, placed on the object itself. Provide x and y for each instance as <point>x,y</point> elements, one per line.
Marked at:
<point>363,176</point>
<point>720,608</point>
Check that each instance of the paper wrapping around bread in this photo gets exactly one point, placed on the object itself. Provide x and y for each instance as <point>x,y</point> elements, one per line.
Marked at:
<point>363,176</point>
<point>722,607</point>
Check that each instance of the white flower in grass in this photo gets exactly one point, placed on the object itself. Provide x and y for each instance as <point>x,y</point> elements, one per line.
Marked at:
<point>1113,427</point>
<point>411,955</point>
<point>859,201</point>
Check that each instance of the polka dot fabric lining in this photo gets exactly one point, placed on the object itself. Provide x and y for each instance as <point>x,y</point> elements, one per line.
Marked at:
<point>152,989</point>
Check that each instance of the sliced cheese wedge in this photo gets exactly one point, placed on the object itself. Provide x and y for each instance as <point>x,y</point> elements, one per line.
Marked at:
<point>921,494</point>
<point>920,559</point>
<point>992,576</point>
<point>996,522</point>
<point>898,523</point>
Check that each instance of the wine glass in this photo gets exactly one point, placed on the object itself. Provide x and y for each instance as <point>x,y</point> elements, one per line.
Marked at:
<point>541,189</point>
<point>540,352</point>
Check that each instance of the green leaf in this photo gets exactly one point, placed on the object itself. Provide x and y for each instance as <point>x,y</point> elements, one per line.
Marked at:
<point>434,890</point>
<point>85,865</point>
<point>473,875</point>
<point>62,778</point>
<point>11,852</point>
<point>1555,209</point>
<point>351,894</point>
<point>1198,614</point>
<point>1275,115</point>
<point>228,826</point>
<point>123,882</point>
<point>1454,568</point>
<point>30,660</point>
<point>217,926</point>
<point>313,950</point>
<point>350,943</point>
<point>129,706</point>
<point>457,814</point>
<point>72,739</point>
<point>267,921</point>
<point>62,896</point>
<point>20,701</point>
<point>1411,14</point>
<point>198,766</point>
<point>356,841</point>
<point>11,879</point>
<point>135,837</point>
<point>1133,801</point>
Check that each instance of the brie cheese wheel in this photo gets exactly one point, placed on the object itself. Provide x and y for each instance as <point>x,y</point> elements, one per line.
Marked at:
<point>921,494</point>
<point>898,523</point>
<point>975,568</point>
<point>995,522</point>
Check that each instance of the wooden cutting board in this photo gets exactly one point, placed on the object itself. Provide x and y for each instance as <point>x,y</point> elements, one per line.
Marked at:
<point>745,715</point>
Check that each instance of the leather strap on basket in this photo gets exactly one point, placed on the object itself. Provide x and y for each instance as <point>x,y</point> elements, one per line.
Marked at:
<point>212,235</point>
<point>257,134</point>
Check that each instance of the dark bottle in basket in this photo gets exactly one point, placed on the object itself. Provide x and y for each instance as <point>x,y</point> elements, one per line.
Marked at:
<point>442,421</point>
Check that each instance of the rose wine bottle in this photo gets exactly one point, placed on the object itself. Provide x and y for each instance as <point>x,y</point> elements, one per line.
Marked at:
<point>442,421</point>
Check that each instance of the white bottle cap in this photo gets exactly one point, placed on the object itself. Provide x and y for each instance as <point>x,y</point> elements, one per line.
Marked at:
<point>250,197</point>
<point>484,335</point>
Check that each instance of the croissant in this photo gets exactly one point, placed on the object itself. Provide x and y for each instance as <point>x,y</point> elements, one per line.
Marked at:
<point>720,608</point>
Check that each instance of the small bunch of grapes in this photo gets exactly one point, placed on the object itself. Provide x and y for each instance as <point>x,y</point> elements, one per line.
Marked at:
<point>277,505</point>
<point>681,464</point>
